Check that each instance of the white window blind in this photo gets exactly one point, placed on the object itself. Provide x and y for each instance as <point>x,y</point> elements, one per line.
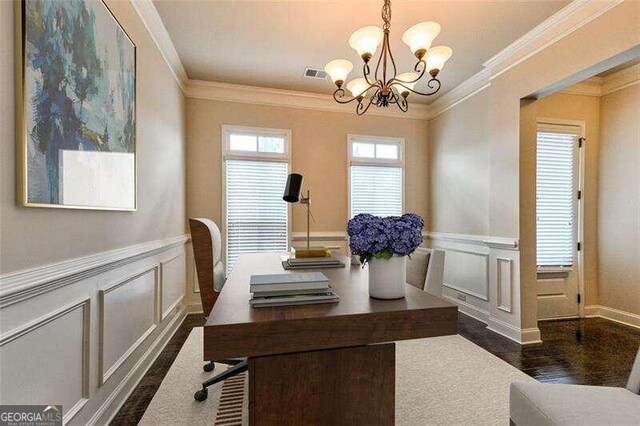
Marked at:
<point>256,215</point>
<point>556,188</point>
<point>376,190</point>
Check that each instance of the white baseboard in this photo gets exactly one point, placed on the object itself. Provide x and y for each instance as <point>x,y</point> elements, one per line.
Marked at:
<point>193,308</point>
<point>523,336</point>
<point>113,403</point>
<point>622,317</point>
<point>468,309</point>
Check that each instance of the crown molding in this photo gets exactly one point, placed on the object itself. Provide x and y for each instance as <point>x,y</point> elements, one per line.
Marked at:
<point>227,92</point>
<point>564,22</point>
<point>621,79</point>
<point>589,87</point>
<point>152,22</point>
<point>460,93</point>
<point>600,86</point>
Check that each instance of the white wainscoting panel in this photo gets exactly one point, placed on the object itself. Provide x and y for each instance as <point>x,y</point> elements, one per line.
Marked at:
<point>47,361</point>
<point>505,284</point>
<point>172,271</point>
<point>482,276</point>
<point>467,272</point>
<point>127,316</point>
<point>82,332</point>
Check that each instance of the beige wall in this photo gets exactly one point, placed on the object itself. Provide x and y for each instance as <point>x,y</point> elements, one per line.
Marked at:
<point>459,168</point>
<point>35,236</point>
<point>510,190</point>
<point>319,152</point>
<point>587,110</point>
<point>619,201</point>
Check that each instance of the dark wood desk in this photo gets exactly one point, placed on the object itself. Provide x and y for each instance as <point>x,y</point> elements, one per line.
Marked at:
<point>320,364</point>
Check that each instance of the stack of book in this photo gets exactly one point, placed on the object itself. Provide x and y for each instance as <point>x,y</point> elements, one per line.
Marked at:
<point>291,262</point>
<point>290,289</point>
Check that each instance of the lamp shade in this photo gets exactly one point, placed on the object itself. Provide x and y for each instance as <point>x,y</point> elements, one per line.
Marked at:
<point>436,57</point>
<point>293,187</point>
<point>408,81</point>
<point>338,69</point>
<point>366,40</point>
<point>420,36</point>
<point>358,86</point>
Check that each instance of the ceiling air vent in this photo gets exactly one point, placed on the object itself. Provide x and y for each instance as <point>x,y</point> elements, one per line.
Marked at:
<point>315,73</point>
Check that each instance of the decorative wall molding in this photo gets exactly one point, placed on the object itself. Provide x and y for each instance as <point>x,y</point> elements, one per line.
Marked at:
<point>107,371</point>
<point>22,285</point>
<point>505,284</point>
<point>489,241</point>
<point>559,25</point>
<point>152,22</point>
<point>524,336</point>
<point>468,88</point>
<point>458,272</point>
<point>475,312</point>
<point>626,318</point>
<point>106,350</point>
<point>85,370</point>
<point>109,408</point>
<point>564,22</point>
<point>226,92</point>
<point>601,86</point>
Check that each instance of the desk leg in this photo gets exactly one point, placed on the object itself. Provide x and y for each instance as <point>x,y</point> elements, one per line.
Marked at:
<point>345,386</point>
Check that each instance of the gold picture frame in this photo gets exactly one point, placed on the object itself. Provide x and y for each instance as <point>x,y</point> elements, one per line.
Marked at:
<point>22,132</point>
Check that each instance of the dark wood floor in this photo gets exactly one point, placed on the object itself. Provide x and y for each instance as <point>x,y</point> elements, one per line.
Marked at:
<point>590,351</point>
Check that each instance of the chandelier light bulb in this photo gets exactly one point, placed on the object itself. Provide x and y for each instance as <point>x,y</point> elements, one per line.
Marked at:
<point>420,36</point>
<point>357,87</point>
<point>436,58</point>
<point>338,70</point>
<point>407,80</point>
<point>366,40</point>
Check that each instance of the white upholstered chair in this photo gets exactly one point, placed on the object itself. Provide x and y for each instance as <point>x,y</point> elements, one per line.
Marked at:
<point>537,404</point>
<point>207,253</point>
<point>425,270</point>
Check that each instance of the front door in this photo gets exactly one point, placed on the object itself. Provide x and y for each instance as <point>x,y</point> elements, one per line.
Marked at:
<point>558,198</point>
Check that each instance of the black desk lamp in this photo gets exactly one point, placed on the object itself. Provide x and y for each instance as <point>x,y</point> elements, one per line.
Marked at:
<point>292,195</point>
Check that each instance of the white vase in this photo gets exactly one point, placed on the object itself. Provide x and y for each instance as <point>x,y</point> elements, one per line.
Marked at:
<point>387,277</point>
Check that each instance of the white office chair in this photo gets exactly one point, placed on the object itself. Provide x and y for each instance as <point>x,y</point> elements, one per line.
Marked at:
<point>425,270</point>
<point>538,404</point>
<point>207,252</point>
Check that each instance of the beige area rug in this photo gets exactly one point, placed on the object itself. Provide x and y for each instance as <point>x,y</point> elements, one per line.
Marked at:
<point>439,381</point>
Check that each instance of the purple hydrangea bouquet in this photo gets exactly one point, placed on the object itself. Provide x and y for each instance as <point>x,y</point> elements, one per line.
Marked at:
<point>383,243</point>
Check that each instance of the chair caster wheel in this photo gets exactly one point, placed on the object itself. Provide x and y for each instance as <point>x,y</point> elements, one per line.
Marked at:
<point>201,395</point>
<point>208,367</point>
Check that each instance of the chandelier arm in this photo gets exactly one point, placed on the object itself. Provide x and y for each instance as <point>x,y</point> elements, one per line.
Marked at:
<point>403,105</point>
<point>339,94</point>
<point>366,71</point>
<point>434,84</point>
<point>360,109</point>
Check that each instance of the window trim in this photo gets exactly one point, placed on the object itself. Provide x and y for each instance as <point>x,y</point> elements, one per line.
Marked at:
<point>226,131</point>
<point>378,162</point>
<point>227,153</point>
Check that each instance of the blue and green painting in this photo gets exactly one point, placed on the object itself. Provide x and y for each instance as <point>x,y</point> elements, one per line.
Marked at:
<point>79,89</point>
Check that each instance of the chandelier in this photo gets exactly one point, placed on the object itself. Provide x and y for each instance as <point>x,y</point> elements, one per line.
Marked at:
<point>385,87</point>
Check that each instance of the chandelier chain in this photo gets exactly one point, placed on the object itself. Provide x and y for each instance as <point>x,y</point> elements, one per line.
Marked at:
<point>386,15</point>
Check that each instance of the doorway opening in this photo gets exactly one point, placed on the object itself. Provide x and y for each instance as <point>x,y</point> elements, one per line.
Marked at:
<point>559,212</point>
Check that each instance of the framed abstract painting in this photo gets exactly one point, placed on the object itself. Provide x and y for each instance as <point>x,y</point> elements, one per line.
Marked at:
<point>76,96</point>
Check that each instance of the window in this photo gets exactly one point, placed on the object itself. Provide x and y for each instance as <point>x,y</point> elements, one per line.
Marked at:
<point>376,175</point>
<point>556,194</point>
<point>256,164</point>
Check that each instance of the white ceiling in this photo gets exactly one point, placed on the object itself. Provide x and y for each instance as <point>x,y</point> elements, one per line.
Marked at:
<point>269,43</point>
